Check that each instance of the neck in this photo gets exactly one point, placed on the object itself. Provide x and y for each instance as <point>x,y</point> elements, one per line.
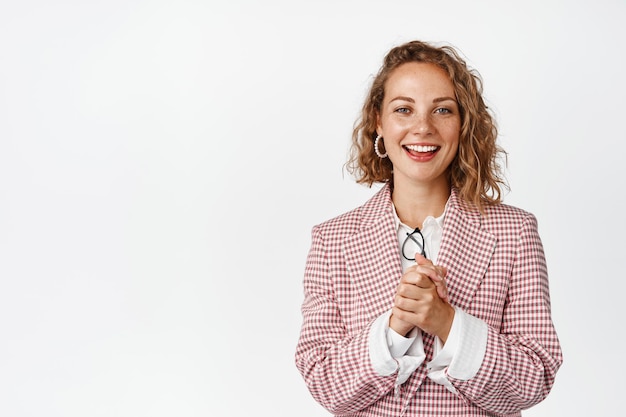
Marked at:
<point>414,203</point>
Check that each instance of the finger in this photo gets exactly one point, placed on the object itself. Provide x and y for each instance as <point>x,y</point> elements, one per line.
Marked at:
<point>430,271</point>
<point>421,259</point>
<point>442,290</point>
<point>426,275</point>
<point>424,281</point>
<point>418,278</point>
<point>435,275</point>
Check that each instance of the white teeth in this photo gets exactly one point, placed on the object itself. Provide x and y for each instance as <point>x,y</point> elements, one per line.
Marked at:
<point>420,148</point>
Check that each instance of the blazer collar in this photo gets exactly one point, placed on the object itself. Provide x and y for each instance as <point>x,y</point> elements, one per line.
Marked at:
<point>372,254</point>
<point>466,249</point>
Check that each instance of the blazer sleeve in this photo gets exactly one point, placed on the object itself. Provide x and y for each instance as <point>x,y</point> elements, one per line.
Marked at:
<point>334,364</point>
<point>522,358</point>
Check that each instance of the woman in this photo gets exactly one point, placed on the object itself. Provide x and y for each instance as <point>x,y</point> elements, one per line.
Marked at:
<point>432,298</point>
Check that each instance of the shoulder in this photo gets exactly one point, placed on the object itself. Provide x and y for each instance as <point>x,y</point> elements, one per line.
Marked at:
<point>504,212</point>
<point>350,222</point>
<point>496,218</point>
<point>504,220</point>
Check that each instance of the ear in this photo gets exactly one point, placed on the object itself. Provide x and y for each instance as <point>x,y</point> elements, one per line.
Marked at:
<point>379,126</point>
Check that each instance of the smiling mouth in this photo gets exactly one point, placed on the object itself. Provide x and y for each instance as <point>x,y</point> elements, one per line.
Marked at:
<point>421,149</point>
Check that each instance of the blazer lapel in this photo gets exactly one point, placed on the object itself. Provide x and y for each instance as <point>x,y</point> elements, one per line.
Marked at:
<point>466,250</point>
<point>372,256</point>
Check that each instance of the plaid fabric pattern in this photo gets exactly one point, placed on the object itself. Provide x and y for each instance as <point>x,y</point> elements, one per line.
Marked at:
<point>496,272</point>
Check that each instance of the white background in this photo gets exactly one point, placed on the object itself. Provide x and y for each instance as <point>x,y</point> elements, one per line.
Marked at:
<point>162,164</point>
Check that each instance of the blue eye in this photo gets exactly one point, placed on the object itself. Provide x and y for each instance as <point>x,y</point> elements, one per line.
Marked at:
<point>403,110</point>
<point>443,110</point>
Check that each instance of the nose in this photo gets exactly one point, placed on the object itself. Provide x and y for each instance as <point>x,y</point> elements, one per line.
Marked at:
<point>423,124</point>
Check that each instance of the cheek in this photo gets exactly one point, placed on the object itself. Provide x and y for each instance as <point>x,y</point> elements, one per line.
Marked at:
<point>392,123</point>
<point>453,134</point>
<point>455,148</point>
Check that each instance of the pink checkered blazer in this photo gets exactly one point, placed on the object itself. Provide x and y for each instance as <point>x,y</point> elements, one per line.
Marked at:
<point>496,272</point>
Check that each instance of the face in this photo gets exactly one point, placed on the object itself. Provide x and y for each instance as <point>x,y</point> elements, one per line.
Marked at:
<point>420,124</point>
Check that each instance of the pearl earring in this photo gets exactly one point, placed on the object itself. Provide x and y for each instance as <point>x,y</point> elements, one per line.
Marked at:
<point>380,155</point>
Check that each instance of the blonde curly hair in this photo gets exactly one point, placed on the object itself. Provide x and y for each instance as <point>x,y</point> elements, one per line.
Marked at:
<point>475,170</point>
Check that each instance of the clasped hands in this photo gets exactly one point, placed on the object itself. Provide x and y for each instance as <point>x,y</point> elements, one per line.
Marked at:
<point>422,301</point>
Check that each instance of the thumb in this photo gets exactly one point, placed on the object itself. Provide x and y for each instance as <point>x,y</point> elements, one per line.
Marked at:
<point>421,259</point>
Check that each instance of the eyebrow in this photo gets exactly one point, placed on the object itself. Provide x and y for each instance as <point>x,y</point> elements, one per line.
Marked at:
<point>410,100</point>
<point>440,99</point>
